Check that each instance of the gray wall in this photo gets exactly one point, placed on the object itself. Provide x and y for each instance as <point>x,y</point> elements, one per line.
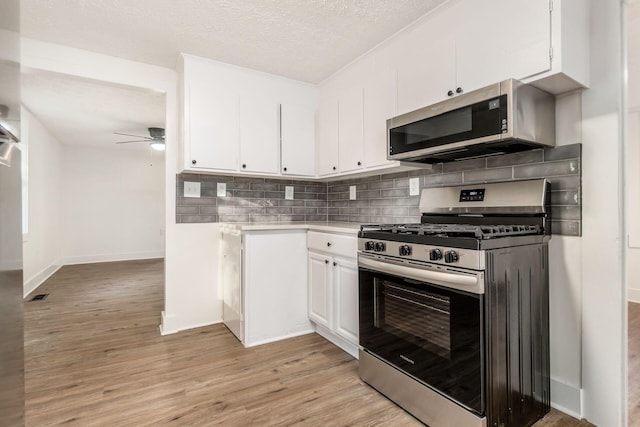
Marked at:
<point>383,198</point>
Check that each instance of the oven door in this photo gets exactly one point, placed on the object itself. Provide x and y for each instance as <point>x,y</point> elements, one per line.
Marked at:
<point>427,323</point>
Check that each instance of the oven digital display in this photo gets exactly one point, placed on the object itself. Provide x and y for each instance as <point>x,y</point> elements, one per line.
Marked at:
<point>476,195</point>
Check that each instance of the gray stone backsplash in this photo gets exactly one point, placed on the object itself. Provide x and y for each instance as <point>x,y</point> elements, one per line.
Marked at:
<point>383,198</point>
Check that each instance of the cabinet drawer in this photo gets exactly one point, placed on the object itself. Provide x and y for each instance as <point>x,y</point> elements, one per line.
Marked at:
<point>335,244</point>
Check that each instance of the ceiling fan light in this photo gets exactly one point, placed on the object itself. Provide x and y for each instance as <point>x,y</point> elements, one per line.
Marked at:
<point>157,145</point>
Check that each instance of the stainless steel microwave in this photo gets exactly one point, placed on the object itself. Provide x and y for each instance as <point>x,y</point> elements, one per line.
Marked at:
<point>505,117</point>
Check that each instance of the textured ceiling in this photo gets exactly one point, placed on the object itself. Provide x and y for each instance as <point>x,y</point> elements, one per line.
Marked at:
<point>305,40</point>
<point>82,112</point>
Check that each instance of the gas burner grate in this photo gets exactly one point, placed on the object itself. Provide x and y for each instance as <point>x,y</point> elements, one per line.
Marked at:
<point>456,230</point>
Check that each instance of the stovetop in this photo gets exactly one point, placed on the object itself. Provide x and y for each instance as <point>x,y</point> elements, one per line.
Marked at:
<point>481,232</point>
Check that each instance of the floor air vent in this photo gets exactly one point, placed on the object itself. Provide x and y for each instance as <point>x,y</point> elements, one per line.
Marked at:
<point>39,297</point>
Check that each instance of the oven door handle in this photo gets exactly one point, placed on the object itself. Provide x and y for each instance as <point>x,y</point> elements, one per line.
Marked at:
<point>469,282</point>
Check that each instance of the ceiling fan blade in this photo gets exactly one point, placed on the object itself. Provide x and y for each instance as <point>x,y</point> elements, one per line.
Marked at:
<point>137,136</point>
<point>137,140</point>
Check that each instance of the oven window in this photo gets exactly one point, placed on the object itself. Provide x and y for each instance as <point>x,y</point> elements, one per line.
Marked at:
<point>418,316</point>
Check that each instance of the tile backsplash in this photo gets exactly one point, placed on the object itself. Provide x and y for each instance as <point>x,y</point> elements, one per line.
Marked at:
<point>383,198</point>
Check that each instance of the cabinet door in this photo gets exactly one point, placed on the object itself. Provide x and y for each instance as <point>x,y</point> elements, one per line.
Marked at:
<point>298,132</point>
<point>346,298</point>
<point>328,136</point>
<point>259,135</point>
<point>502,39</point>
<point>350,130</point>
<point>320,294</point>
<point>211,124</point>
<point>426,64</point>
<point>379,105</point>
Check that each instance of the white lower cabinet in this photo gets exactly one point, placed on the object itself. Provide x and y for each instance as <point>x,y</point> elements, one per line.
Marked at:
<point>333,288</point>
<point>273,288</point>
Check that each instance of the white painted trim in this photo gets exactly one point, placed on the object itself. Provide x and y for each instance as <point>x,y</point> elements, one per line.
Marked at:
<point>34,282</point>
<point>169,324</point>
<point>90,259</point>
<point>344,345</point>
<point>280,338</point>
<point>633,295</point>
<point>566,398</point>
<point>166,326</point>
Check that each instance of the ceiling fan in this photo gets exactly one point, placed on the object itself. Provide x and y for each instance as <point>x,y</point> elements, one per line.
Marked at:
<point>155,138</point>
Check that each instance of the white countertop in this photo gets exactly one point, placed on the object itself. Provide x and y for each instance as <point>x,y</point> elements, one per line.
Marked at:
<point>324,226</point>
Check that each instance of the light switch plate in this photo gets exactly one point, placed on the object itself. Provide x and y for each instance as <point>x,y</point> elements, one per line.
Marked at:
<point>288,192</point>
<point>414,186</point>
<point>352,192</point>
<point>191,189</point>
<point>221,190</point>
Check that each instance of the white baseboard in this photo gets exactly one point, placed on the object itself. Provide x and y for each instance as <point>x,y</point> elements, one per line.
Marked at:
<point>170,324</point>
<point>566,398</point>
<point>167,325</point>
<point>633,295</point>
<point>284,337</point>
<point>90,259</point>
<point>34,282</point>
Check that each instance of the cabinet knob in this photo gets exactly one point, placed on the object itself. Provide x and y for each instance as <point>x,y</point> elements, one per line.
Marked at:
<point>450,93</point>
<point>359,163</point>
<point>244,166</point>
<point>335,263</point>
<point>285,169</point>
<point>459,90</point>
<point>328,244</point>
<point>326,261</point>
<point>334,168</point>
<point>193,162</point>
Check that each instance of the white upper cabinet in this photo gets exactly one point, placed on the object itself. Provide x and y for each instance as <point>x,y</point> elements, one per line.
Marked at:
<point>466,45</point>
<point>426,64</point>
<point>328,133</point>
<point>231,120</point>
<point>378,106</point>
<point>210,119</point>
<point>501,39</point>
<point>259,135</point>
<point>350,129</point>
<point>298,131</point>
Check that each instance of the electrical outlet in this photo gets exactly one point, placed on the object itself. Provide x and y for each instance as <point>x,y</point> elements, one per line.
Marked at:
<point>191,189</point>
<point>288,192</point>
<point>221,190</point>
<point>414,186</point>
<point>352,192</point>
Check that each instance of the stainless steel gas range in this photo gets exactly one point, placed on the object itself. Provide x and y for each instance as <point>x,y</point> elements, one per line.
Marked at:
<point>454,318</point>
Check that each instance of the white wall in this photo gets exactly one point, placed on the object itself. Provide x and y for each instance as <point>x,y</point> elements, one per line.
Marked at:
<point>632,178</point>
<point>632,184</point>
<point>565,284</point>
<point>187,303</point>
<point>36,55</point>
<point>112,204</point>
<point>42,248</point>
<point>604,303</point>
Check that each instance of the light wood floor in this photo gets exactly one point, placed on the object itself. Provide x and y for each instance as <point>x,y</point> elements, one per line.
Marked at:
<point>94,357</point>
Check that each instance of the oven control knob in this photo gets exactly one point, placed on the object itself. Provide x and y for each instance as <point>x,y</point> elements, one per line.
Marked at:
<point>451,256</point>
<point>405,250</point>
<point>435,254</point>
<point>369,246</point>
<point>380,247</point>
